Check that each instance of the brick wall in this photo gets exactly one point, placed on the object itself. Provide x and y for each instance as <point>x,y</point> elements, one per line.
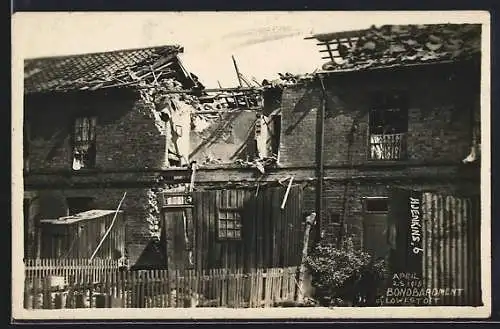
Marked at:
<point>127,142</point>
<point>344,201</point>
<point>440,100</point>
<point>126,134</point>
<point>439,131</point>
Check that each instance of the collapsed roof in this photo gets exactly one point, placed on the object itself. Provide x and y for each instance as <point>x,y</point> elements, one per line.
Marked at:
<point>105,69</point>
<point>399,45</point>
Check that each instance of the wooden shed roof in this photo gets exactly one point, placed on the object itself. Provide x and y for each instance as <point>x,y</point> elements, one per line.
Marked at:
<point>86,215</point>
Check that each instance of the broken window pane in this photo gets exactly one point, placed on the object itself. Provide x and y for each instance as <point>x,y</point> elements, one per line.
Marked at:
<point>84,142</point>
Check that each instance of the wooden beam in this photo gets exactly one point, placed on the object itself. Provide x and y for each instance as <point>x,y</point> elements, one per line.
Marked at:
<point>230,110</point>
<point>109,228</point>
<point>283,203</point>
<point>329,51</point>
<point>177,206</point>
<point>310,221</point>
<point>237,71</point>
<point>337,41</point>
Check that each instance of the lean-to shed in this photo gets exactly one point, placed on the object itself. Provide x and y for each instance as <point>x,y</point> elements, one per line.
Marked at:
<point>78,236</point>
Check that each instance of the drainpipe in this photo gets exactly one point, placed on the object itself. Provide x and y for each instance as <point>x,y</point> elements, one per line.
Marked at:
<point>474,149</point>
<point>320,142</point>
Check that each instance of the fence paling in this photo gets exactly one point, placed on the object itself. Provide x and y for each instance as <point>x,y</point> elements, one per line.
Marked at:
<point>155,288</point>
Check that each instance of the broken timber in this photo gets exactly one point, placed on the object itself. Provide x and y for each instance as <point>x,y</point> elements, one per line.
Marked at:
<point>109,228</point>
<point>310,221</point>
<point>189,91</point>
<point>237,71</point>
<point>286,193</point>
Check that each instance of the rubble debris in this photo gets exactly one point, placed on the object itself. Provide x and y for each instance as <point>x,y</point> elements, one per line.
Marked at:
<point>288,79</point>
<point>261,164</point>
<point>193,175</point>
<point>173,98</point>
<point>209,161</point>
<point>199,123</point>
<point>153,215</point>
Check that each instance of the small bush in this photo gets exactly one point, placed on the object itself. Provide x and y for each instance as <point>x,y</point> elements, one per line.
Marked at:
<point>345,276</point>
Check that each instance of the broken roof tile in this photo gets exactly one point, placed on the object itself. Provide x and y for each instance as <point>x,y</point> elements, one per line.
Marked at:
<point>89,71</point>
<point>400,45</point>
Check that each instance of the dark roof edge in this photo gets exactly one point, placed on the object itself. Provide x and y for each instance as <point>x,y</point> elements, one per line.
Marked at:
<point>338,35</point>
<point>393,66</point>
<point>123,88</point>
<point>357,33</point>
<point>178,48</point>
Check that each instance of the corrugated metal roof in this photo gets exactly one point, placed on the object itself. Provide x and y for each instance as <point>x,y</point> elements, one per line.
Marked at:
<point>91,71</point>
<point>91,214</point>
<point>400,45</point>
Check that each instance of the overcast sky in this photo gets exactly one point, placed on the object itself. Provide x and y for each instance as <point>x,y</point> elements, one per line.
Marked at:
<point>264,43</point>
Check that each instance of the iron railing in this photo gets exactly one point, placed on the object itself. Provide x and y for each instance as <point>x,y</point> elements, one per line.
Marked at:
<point>388,146</point>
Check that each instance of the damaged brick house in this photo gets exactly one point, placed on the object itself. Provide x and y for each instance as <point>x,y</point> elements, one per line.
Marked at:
<point>396,106</point>
<point>97,126</point>
<point>135,121</point>
<point>401,109</point>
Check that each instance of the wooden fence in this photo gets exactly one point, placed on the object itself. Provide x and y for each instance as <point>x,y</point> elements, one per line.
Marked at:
<point>70,269</point>
<point>56,288</point>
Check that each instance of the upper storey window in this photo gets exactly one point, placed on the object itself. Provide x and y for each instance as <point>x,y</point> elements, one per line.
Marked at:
<point>84,143</point>
<point>388,126</point>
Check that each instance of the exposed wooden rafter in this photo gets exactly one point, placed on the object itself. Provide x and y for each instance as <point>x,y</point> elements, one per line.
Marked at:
<point>332,47</point>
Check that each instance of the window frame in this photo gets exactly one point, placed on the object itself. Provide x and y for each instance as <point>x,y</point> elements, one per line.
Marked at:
<point>91,140</point>
<point>236,219</point>
<point>70,203</point>
<point>276,135</point>
<point>376,106</point>
<point>377,198</point>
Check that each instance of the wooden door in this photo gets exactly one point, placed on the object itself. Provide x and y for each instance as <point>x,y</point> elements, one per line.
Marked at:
<point>177,224</point>
<point>375,227</point>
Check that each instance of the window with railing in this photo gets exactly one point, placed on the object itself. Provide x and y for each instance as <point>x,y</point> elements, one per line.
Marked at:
<point>388,126</point>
